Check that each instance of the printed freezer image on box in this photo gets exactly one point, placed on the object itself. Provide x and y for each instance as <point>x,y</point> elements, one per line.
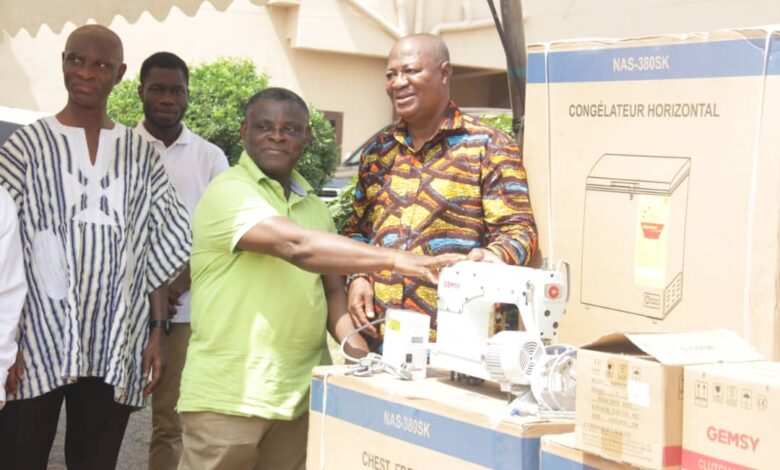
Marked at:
<point>634,233</point>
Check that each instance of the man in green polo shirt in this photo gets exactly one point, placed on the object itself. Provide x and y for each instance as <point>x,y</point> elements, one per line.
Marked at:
<point>266,283</point>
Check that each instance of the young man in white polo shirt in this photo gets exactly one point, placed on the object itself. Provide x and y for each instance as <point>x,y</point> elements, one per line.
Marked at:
<point>191,162</point>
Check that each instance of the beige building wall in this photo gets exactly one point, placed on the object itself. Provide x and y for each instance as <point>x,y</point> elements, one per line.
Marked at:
<point>331,51</point>
<point>349,84</point>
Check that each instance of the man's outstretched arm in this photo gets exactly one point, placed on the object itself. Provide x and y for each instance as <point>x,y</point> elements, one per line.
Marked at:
<point>326,253</point>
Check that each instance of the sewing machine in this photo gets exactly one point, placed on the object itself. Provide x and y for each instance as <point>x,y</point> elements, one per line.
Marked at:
<point>466,342</point>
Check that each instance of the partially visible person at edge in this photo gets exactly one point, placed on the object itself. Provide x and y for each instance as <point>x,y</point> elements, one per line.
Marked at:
<point>266,284</point>
<point>191,163</point>
<point>13,286</point>
<point>102,231</point>
<point>437,181</point>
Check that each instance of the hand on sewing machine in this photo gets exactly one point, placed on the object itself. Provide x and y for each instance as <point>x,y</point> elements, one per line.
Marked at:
<point>484,255</point>
<point>426,267</point>
<point>360,295</point>
<point>360,304</point>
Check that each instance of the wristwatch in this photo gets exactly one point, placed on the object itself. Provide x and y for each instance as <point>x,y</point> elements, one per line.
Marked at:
<point>352,277</point>
<point>164,324</point>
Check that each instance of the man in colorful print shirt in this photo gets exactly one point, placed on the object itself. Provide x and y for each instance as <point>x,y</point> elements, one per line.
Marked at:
<point>437,181</point>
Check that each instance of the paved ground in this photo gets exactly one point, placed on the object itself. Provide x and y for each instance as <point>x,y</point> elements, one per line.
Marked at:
<point>135,447</point>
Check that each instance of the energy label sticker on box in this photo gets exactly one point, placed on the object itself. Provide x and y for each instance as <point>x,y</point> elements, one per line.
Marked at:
<point>652,240</point>
<point>639,393</point>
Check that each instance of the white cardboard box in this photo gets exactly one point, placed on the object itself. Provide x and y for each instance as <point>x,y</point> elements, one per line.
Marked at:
<point>630,392</point>
<point>730,416</point>
<point>653,167</point>
<point>382,422</point>
<point>560,452</point>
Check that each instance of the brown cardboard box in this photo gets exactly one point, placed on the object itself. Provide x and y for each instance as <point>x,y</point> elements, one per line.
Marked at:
<point>730,416</point>
<point>630,392</point>
<point>385,423</point>
<point>653,167</point>
<point>559,452</point>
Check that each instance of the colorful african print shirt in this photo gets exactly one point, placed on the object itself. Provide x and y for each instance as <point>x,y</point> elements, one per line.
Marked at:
<point>96,239</point>
<point>465,188</point>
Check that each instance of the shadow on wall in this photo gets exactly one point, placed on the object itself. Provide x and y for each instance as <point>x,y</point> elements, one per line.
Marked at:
<point>31,16</point>
<point>14,78</point>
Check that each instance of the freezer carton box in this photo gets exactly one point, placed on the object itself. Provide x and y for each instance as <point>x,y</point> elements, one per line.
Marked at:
<point>382,422</point>
<point>559,452</point>
<point>653,165</point>
<point>630,392</point>
<point>653,190</point>
<point>730,416</point>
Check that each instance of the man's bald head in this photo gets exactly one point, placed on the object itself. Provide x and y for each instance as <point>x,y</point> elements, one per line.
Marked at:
<point>96,32</point>
<point>92,63</point>
<point>431,47</point>
<point>418,80</point>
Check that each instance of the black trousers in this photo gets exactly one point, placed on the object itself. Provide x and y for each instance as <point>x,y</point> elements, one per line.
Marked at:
<point>94,430</point>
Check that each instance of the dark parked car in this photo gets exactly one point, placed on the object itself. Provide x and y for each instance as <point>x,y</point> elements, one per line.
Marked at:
<point>346,170</point>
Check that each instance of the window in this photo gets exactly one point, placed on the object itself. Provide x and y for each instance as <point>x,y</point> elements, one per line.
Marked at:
<point>336,119</point>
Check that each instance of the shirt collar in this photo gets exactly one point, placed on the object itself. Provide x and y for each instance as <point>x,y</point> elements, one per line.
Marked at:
<point>451,121</point>
<point>298,184</point>
<point>185,137</point>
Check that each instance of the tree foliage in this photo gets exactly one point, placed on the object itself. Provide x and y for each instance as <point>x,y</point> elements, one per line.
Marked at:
<point>322,154</point>
<point>341,207</point>
<point>218,92</point>
<point>502,122</point>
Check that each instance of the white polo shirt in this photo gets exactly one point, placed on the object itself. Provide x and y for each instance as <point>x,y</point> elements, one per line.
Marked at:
<point>191,163</point>
<point>13,286</point>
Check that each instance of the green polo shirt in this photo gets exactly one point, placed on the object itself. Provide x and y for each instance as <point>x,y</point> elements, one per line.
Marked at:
<point>258,322</point>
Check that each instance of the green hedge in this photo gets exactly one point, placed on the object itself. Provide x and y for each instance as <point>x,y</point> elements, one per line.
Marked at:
<point>502,122</point>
